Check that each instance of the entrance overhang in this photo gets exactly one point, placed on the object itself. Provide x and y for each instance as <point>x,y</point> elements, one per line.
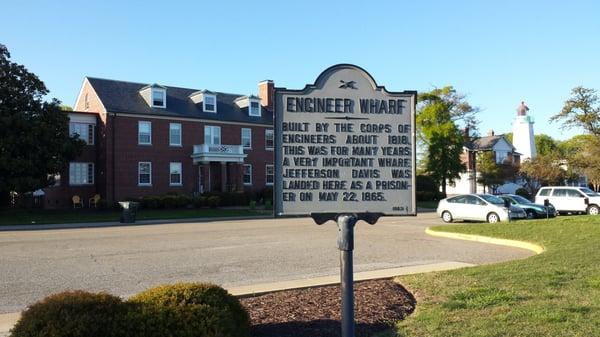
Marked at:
<point>205,153</point>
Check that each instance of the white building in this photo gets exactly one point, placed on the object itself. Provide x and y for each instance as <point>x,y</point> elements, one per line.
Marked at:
<point>504,152</point>
<point>523,137</point>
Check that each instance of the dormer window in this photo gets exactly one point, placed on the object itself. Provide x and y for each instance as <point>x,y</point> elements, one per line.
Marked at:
<point>209,103</point>
<point>254,108</point>
<point>159,98</point>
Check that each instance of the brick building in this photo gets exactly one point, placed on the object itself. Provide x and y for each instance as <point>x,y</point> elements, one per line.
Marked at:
<point>151,139</point>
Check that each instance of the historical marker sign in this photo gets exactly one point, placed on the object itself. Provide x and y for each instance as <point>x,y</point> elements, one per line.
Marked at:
<point>344,145</point>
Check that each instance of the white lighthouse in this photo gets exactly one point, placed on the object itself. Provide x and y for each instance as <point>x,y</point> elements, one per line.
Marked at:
<point>523,138</point>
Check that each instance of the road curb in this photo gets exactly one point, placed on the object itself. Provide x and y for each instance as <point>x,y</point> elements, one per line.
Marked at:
<point>487,239</point>
<point>259,289</point>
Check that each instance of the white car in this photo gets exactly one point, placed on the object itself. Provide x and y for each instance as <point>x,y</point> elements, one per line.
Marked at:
<point>480,207</point>
<point>570,199</point>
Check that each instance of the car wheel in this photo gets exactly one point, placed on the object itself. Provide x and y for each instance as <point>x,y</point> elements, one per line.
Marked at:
<point>446,216</point>
<point>493,218</point>
<point>530,214</point>
<point>593,210</point>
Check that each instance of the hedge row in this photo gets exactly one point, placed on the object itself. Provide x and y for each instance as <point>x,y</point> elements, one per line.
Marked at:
<point>213,200</point>
<point>179,310</point>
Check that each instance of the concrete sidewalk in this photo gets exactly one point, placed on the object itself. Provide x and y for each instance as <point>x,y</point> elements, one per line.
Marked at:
<point>33,227</point>
<point>7,321</point>
<point>75,225</point>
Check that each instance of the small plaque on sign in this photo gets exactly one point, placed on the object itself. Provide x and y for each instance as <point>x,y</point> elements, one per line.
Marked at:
<point>344,145</point>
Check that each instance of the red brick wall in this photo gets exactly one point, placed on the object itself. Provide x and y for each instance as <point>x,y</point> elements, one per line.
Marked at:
<point>94,103</point>
<point>60,196</point>
<point>128,153</point>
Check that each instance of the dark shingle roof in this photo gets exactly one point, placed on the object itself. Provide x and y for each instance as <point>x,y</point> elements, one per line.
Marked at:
<point>124,97</point>
<point>486,143</point>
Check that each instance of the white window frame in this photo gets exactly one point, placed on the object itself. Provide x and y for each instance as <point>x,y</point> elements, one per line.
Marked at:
<point>171,135</point>
<point>90,131</point>
<point>249,147</point>
<point>501,156</point>
<point>180,183</point>
<point>149,183</point>
<point>258,113</point>
<point>244,174</point>
<point>163,93</point>
<point>267,174</point>
<point>211,128</point>
<point>140,123</point>
<point>267,131</point>
<point>80,165</point>
<point>207,96</point>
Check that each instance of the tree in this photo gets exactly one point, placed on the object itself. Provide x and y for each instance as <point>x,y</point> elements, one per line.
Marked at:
<point>541,171</point>
<point>488,171</point>
<point>440,110</point>
<point>545,145</point>
<point>35,142</point>
<point>581,110</point>
<point>491,174</point>
<point>456,108</point>
<point>582,157</point>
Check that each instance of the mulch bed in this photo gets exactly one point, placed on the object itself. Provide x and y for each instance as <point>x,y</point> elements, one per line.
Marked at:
<point>315,312</point>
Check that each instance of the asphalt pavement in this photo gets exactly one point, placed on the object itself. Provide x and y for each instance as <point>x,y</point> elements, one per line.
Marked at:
<point>124,260</point>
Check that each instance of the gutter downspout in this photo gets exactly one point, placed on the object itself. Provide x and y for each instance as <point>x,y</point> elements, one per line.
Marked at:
<point>114,126</point>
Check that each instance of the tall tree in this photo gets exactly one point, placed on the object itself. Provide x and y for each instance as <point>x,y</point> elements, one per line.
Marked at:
<point>581,110</point>
<point>582,157</point>
<point>438,117</point>
<point>35,142</point>
<point>545,145</point>
<point>492,174</point>
<point>542,171</point>
<point>488,171</point>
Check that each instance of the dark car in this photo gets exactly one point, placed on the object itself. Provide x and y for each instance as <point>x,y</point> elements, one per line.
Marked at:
<point>532,210</point>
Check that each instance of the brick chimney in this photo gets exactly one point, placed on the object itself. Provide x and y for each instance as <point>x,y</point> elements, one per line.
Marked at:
<point>266,92</point>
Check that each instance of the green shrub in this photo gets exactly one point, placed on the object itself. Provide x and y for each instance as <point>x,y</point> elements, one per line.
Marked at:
<point>189,309</point>
<point>170,201</point>
<point>184,201</point>
<point>265,194</point>
<point>268,204</point>
<point>524,193</point>
<point>252,205</point>
<point>74,314</point>
<point>213,201</point>
<point>199,201</point>
<point>230,198</point>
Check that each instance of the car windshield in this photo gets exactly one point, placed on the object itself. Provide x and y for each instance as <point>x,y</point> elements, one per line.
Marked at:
<point>589,192</point>
<point>520,200</point>
<point>492,199</point>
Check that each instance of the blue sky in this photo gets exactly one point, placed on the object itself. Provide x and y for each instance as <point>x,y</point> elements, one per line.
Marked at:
<point>498,53</point>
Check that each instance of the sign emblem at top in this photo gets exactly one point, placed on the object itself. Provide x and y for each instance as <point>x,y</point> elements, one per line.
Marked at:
<point>344,151</point>
<point>348,85</point>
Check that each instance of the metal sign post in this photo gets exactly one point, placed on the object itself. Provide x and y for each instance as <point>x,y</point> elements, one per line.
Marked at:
<point>345,241</point>
<point>345,150</point>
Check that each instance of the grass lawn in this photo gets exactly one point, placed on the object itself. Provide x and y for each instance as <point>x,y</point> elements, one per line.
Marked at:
<point>21,217</point>
<point>556,293</point>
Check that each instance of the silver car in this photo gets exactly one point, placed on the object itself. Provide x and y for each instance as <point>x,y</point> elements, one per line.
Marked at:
<point>479,207</point>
